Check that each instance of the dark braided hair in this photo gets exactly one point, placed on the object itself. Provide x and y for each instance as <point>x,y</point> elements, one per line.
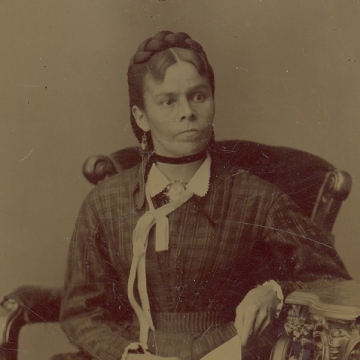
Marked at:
<point>154,56</point>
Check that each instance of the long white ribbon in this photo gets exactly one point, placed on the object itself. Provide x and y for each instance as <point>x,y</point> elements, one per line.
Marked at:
<point>138,265</point>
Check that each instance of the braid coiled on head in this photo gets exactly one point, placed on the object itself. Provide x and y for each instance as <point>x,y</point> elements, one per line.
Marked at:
<point>164,40</point>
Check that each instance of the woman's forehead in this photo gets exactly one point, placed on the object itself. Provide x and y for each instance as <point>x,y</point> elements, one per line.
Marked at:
<point>181,76</point>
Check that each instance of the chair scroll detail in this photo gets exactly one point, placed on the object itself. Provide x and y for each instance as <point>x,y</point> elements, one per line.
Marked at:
<point>98,168</point>
<point>334,190</point>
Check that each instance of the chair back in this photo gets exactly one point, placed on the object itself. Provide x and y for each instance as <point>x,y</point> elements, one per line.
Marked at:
<point>315,185</point>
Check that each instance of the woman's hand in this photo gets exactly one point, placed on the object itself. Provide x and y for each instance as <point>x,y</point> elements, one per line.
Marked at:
<point>148,356</point>
<point>255,312</point>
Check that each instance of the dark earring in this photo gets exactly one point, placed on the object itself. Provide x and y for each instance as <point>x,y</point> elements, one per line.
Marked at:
<point>144,155</point>
<point>144,144</point>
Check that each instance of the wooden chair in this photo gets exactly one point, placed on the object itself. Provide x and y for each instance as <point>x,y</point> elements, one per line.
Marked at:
<point>322,323</point>
<point>314,184</point>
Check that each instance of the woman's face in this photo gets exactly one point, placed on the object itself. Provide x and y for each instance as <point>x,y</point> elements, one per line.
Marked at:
<point>178,111</point>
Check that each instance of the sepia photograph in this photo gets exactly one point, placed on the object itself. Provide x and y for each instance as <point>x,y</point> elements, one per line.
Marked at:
<point>180,180</point>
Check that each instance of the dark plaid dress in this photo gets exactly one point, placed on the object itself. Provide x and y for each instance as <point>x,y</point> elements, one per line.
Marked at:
<point>242,233</point>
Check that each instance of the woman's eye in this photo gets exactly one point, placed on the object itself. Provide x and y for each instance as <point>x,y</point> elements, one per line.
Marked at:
<point>168,102</point>
<point>199,97</point>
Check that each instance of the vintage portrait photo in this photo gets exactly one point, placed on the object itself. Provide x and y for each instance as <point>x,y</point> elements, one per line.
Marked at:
<point>180,180</point>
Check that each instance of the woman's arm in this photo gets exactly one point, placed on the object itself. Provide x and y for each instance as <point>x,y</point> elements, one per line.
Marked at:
<point>94,312</point>
<point>295,253</point>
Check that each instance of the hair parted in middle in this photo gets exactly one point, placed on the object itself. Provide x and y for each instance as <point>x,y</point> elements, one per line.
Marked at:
<point>154,56</point>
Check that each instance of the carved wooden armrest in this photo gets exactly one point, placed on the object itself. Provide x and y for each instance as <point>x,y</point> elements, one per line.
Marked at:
<point>322,324</point>
<point>24,305</point>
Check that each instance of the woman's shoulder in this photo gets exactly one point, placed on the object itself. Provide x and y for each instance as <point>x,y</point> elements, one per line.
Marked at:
<point>227,169</point>
<point>121,184</point>
<point>243,179</point>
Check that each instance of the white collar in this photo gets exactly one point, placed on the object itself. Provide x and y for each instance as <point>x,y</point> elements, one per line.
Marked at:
<point>199,183</point>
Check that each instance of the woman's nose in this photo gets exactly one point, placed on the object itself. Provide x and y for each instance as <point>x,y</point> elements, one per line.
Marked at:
<point>186,111</point>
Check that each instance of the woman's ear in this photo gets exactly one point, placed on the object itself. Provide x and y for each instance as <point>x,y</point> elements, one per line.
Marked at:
<point>140,118</point>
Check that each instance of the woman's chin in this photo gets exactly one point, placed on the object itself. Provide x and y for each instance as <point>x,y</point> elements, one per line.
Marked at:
<point>181,148</point>
<point>190,151</point>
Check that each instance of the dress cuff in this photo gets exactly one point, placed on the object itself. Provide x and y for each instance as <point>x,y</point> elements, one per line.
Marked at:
<point>279,293</point>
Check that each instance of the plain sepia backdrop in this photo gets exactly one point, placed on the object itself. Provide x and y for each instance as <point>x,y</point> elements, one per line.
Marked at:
<point>287,73</point>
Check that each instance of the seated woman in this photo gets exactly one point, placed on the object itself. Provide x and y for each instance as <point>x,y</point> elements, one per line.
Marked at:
<point>172,258</point>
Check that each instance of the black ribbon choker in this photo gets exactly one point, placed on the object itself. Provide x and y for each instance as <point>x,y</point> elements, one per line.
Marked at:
<point>181,160</point>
